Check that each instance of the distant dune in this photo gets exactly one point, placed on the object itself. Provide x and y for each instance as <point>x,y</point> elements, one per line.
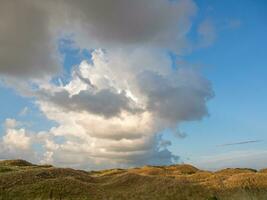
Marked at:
<point>21,180</point>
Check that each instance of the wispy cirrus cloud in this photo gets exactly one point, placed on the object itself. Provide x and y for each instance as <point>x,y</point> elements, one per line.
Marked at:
<point>240,143</point>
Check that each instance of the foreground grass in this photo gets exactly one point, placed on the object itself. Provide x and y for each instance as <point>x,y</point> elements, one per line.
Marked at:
<point>21,180</point>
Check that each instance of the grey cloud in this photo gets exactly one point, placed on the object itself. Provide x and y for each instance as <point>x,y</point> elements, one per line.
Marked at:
<point>165,143</point>
<point>165,157</point>
<point>129,148</point>
<point>122,153</point>
<point>104,102</point>
<point>115,134</point>
<point>85,80</point>
<point>171,98</point>
<point>154,157</point>
<point>180,134</point>
<point>130,157</point>
<point>30,29</point>
<point>156,22</point>
<point>26,48</point>
<point>175,103</point>
<point>132,145</point>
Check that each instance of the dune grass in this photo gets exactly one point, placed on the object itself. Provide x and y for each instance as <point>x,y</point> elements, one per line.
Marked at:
<point>21,180</point>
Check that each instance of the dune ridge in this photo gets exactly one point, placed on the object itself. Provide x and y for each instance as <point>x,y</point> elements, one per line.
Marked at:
<point>20,180</point>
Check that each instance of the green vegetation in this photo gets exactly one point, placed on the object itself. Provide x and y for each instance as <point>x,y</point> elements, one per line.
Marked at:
<point>213,198</point>
<point>21,180</point>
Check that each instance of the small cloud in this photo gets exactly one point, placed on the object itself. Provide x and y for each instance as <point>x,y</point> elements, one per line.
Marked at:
<point>210,8</point>
<point>10,123</point>
<point>165,143</point>
<point>24,111</point>
<point>230,24</point>
<point>234,24</point>
<point>180,134</point>
<point>240,143</point>
<point>207,33</point>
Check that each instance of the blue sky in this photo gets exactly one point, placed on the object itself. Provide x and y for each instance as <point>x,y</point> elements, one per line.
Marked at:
<point>236,65</point>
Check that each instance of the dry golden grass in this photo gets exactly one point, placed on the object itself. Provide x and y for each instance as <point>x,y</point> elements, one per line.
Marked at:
<point>20,163</point>
<point>20,180</point>
<point>263,170</point>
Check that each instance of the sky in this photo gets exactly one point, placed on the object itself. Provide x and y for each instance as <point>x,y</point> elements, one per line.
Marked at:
<point>96,84</point>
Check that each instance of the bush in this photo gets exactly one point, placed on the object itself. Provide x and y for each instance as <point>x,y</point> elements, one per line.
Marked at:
<point>213,198</point>
<point>5,169</point>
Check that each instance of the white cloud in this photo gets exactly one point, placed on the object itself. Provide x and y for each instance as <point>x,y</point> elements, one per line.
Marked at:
<point>97,137</point>
<point>24,111</point>
<point>16,139</point>
<point>10,123</point>
<point>111,111</point>
<point>16,142</point>
<point>163,98</point>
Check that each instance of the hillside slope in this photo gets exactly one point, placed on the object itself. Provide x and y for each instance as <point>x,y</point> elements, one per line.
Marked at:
<point>21,180</point>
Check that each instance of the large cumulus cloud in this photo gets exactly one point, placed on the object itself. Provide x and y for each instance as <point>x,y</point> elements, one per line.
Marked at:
<point>159,97</point>
<point>113,107</point>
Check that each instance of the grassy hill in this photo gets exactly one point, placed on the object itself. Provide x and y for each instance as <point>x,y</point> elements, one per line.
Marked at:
<point>21,180</point>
